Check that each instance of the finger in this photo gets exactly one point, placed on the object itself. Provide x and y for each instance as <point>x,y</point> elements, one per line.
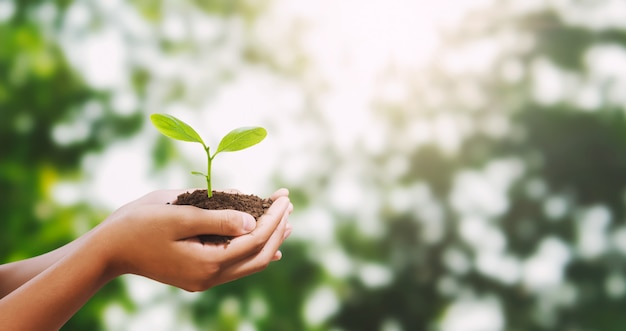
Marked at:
<point>288,230</point>
<point>253,242</point>
<point>262,259</point>
<point>282,192</point>
<point>192,221</point>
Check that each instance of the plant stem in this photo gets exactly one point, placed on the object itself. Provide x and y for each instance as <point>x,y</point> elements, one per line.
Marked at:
<point>208,173</point>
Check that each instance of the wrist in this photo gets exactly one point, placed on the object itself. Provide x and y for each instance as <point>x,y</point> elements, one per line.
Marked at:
<point>103,252</point>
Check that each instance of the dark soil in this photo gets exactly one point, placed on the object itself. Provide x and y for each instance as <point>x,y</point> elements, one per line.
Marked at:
<point>250,204</point>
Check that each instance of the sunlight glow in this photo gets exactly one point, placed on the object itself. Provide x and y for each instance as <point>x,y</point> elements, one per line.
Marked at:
<point>593,226</point>
<point>545,268</point>
<point>474,315</point>
<point>370,35</point>
<point>321,305</point>
<point>484,193</point>
<point>352,45</point>
<point>7,9</point>
<point>375,275</point>
<point>102,58</point>
<point>349,45</point>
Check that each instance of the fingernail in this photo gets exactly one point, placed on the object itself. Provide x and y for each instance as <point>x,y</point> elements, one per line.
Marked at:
<point>249,223</point>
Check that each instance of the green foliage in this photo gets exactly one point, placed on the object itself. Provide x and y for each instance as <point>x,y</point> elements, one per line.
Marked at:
<point>569,155</point>
<point>235,140</point>
<point>40,92</point>
<point>241,138</point>
<point>174,128</point>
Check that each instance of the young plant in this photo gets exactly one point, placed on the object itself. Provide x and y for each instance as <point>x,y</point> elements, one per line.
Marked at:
<point>235,140</point>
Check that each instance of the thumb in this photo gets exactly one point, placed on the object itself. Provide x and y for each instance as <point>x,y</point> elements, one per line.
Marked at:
<point>192,221</point>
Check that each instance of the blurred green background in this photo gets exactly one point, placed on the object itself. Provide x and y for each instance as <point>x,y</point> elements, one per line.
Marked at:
<point>457,165</point>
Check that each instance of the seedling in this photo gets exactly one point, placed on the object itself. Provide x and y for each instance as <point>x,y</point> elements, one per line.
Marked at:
<point>235,140</point>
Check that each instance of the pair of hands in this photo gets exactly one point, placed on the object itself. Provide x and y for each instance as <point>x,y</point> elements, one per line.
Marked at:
<point>151,238</point>
<point>146,237</point>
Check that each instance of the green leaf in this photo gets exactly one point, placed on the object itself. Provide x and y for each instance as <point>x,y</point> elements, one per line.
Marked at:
<point>174,128</point>
<point>198,173</point>
<point>241,138</point>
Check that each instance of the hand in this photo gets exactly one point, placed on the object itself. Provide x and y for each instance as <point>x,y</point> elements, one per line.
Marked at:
<point>150,238</point>
<point>147,237</point>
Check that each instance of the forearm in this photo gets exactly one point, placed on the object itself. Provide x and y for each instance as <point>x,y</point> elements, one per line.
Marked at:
<point>15,274</point>
<point>48,300</point>
<point>146,237</point>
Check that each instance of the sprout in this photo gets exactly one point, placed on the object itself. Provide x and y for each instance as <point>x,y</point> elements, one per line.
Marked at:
<point>235,140</point>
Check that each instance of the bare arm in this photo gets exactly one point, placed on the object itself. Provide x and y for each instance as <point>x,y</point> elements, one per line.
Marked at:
<point>52,296</point>
<point>15,274</point>
<point>147,238</point>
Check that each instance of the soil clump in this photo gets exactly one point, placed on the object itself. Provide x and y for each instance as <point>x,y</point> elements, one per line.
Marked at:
<point>247,203</point>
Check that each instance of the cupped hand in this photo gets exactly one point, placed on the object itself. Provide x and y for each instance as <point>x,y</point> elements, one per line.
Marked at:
<point>151,238</point>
